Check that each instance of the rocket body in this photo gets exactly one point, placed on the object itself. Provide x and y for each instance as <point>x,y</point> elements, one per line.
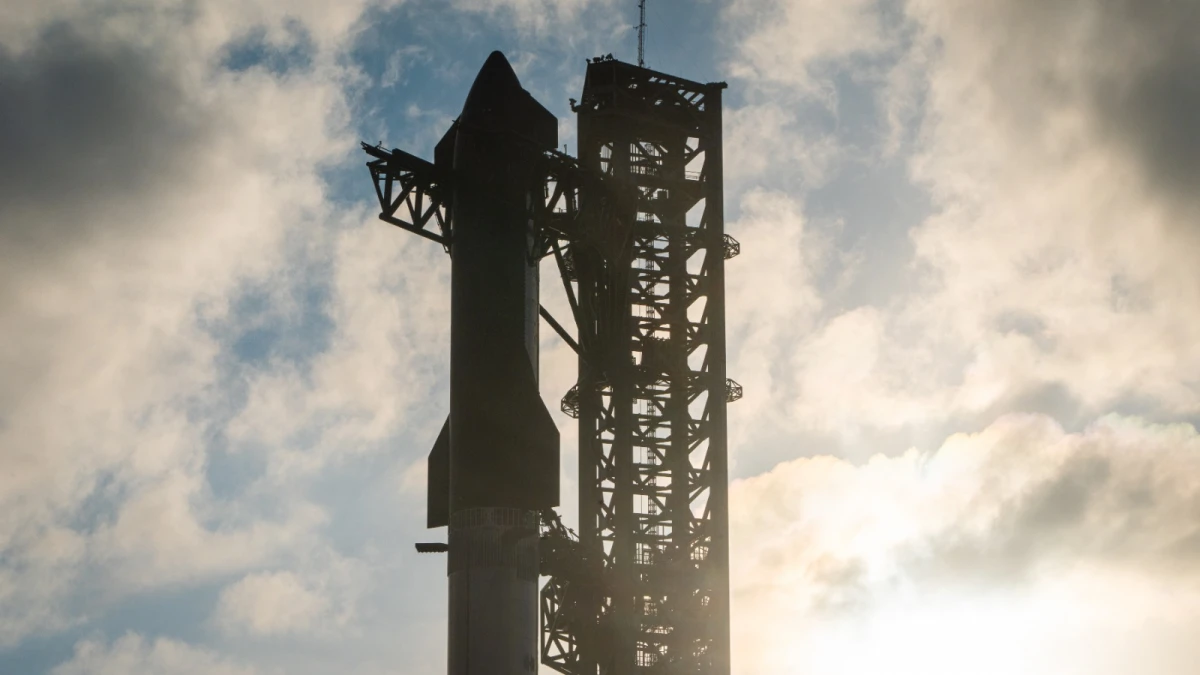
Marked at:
<point>495,464</point>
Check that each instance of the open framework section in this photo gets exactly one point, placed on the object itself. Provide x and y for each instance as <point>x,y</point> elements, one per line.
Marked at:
<point>645,589</point>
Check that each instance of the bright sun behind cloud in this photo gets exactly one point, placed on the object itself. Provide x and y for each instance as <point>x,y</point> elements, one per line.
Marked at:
<point>1021,549</point>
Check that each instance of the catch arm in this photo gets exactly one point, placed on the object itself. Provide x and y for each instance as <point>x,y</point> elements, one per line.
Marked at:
<point>410,187</point>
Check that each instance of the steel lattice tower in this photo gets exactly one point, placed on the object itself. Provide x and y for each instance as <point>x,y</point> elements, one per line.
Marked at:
<point>646,588</point>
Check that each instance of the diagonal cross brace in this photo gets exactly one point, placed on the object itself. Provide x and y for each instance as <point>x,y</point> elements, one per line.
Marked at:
<point>405,180</point>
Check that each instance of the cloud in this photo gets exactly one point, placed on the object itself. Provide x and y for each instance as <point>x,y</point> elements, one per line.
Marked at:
<point>999,526</point>
<point>73,101</point>
<point>135,654</point>
<point>782,44</point>
<point>318,596</point>
<point>1051,275</point>
<point>1052,270</point>
<point>146,189</point>
<point>40,570</point>
<point>399,62</point>
<point>271,604</point>
<point>765,138</point>
<point>389,314</point>
<point>1024,126</point>
<point>774,275</point>
<point>534,16</point>
<point>205,29</point>
<point>159,537</point>
<point>1123,71</point>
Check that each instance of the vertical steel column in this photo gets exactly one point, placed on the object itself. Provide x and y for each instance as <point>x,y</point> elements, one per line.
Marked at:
<point>718,380</point>
<point>679,586</point>
<point>622,563</point>
<point>587,642</point>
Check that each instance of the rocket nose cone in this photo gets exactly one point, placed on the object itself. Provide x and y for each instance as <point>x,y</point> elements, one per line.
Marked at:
<point>498,103</point>
<point>497,67</point>
<point>495,85</point>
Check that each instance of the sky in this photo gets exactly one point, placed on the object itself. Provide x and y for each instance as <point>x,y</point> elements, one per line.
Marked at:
<point>966,316</point>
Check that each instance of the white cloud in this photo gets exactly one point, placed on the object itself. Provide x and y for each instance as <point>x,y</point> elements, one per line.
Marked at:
<point>42,569</point>
<point>201,29</point>
<point>176,185</point>
<point>764,138</point>
<point>1053,271</point>
<point>773,276</point>
<point>537,17</point>
<point>271,604</point>
<point>391,318</point>
<point>159,537</point>
<point>319,596</point>
<point>785,42</point>
<point>1045,209</point>
<point>134,654</point>
<point>1051,275</point>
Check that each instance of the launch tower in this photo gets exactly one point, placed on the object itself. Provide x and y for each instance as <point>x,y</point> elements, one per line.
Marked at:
<point>635,225</point>
<point>647,589</point>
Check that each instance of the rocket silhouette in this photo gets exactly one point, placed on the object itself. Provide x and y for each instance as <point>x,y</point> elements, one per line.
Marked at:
<point>499,446</point>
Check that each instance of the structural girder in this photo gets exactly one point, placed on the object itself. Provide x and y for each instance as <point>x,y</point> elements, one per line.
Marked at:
<point>412,193</point>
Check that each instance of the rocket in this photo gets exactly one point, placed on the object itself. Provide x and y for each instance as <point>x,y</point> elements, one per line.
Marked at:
<point>495,463</point>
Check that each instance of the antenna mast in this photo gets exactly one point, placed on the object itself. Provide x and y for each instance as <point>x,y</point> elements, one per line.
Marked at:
<point>641,33</point>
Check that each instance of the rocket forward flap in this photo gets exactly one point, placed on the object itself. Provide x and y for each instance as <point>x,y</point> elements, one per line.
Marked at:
<point>437,490</point>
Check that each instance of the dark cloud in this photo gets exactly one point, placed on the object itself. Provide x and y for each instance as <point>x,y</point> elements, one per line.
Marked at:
<point>1130,68</point>
<point>1151,105</point>
<point>1026,323</point>
<point>1059,504</point>
<point>1055,399</point>
<point>1092,508</point>
<point>83,123</point>
<point>1044,521</point>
